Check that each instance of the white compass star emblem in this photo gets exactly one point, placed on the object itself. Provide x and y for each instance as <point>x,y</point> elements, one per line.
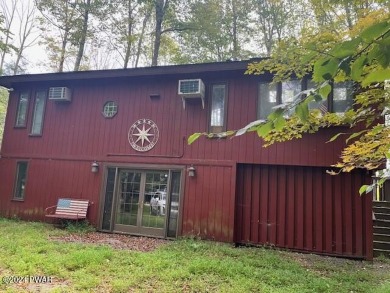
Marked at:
<point>143,135</point>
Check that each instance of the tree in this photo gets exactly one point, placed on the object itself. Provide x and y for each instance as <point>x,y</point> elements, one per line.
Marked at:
<point>363,58</point>
<point>217,31</point>
<point>67,27</point>
<point>27,20</point>
<point>6,19</point>
<point>3,109</point>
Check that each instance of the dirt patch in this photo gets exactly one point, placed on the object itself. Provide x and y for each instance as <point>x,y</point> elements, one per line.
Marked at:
<point>324,264</point>
<point>116,241</point>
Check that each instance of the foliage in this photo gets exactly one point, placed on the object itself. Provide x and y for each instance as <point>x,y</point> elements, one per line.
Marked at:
<point>181,265</point>
<point>3,109</point>
<point>361,56</point>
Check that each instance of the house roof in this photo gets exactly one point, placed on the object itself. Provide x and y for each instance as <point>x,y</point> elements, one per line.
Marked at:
<point>228,66</point>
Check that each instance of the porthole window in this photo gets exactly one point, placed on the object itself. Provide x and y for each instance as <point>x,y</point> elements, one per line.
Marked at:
<point>110,109</point>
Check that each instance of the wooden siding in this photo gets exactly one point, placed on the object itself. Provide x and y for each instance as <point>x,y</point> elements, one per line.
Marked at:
<point>301,208</point>
<point>47,181</point>
<point>78,130</point>
<point>208,209</point>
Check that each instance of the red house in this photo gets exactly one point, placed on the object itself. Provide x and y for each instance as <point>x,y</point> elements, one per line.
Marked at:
<point>119,139</point>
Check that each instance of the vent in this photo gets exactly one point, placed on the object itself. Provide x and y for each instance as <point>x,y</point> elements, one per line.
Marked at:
<point>191,89</point>
<point>60,94</point>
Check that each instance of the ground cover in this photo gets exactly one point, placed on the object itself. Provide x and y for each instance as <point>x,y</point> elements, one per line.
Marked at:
<point>84,261</point>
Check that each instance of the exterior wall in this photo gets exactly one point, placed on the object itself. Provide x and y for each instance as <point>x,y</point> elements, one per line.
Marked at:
<point>76,134</point>
<point>48,180</point>
<point>78,131</point>
<point>302,208</point>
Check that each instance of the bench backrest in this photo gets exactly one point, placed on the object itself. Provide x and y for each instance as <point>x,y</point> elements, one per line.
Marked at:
<point>72,207</point>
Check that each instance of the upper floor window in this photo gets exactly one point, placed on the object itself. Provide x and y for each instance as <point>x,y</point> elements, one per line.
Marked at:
<point>21,114</point>
<point>110,109</point>
<point>218,108</point>
<point>271,95</point>
<point>20,182</point>
<point>342,97</point>
<point>38,114</point>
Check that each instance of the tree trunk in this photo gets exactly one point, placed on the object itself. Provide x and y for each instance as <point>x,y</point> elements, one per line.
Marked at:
<point>129,34</point>
<point>83,36</point>
<point>7,32</point>
<point>235,39</point>
<point>161,7</point>
<point>141,37</point>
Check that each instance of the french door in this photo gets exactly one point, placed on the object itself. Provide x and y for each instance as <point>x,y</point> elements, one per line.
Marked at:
<point>142,202</point>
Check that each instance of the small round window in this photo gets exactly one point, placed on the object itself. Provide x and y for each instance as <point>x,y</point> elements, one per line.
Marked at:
<point>110,109</point>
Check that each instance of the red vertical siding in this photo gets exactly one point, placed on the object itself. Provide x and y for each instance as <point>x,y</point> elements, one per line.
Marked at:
<point>302,208</point>
<point>208,209</point>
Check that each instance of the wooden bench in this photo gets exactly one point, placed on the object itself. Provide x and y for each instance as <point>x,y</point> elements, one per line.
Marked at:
<point>68,208</point>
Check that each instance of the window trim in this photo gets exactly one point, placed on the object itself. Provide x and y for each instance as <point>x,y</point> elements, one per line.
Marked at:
<point>218,129</point>
<point>24,125</point>
<point>43,112</point>
<point>104,106</point>
<point>17,176</point>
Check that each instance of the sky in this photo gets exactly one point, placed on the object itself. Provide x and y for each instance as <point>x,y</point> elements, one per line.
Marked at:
<point>35,55</point>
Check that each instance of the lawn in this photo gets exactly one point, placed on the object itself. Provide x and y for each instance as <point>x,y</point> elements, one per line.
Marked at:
<point>186,265</point>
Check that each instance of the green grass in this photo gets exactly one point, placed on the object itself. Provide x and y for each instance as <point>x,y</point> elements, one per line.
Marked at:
<point>185,265</point>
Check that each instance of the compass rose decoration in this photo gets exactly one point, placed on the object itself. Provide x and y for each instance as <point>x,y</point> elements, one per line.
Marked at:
<point>143,135</point>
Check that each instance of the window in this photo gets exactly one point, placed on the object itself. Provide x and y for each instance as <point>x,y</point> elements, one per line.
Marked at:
<point>268,99</point>
<point>271,95</point>
<point>20,183</point>
<point>342,97</point>
<point>218,108</point>
<point>320,105</point>
<point>21,114</point>
<point>38,114</point>
<point>110,109</point>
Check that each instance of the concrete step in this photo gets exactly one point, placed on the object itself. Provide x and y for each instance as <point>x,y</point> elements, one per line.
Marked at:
<point>381,223</point>
<point>381,230</point>
<point>385,204</point>
<point>382,216</point>
<point>381,210</point>
<point>379,252</point>
<point>382,237</point>
<point>382,245</point>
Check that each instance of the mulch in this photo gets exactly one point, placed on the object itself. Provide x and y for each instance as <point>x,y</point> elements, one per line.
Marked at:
<point>116,241</point>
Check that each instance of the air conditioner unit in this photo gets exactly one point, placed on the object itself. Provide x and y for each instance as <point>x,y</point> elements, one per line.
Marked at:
<point>191,89</point>
<point>60,94</point>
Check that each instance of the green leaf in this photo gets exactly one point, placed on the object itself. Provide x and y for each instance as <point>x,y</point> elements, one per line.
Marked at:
<point>317,98</point>
<point>344,65</point>
<point>279,123</point>
<point>345,49</point>
<point>325,69</point>
<point>378,75</point>
<point>333,138</point>
<point>357,67</point>
<point>373,32</point>
<point>194,137</point>
<point>363,189</point>
<point>324,91</point>
<point>302,112</point>
<point>264,129</point>
<point>275,114</point>
<point>353,135</point>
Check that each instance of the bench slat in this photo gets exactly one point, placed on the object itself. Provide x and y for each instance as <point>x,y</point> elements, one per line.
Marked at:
<point>70,209</point>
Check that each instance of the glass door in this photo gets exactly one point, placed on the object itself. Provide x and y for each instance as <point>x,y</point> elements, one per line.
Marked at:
<point>145,202</point>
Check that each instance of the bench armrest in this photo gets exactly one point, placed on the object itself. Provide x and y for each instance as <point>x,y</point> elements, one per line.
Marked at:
<point>49,211</point>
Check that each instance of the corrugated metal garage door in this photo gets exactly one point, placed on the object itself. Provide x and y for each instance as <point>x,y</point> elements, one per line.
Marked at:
<point>303,208</point>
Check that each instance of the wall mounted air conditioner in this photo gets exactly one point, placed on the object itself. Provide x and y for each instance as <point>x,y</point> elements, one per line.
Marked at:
<point>191,89</point>
<point>63,94</point>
